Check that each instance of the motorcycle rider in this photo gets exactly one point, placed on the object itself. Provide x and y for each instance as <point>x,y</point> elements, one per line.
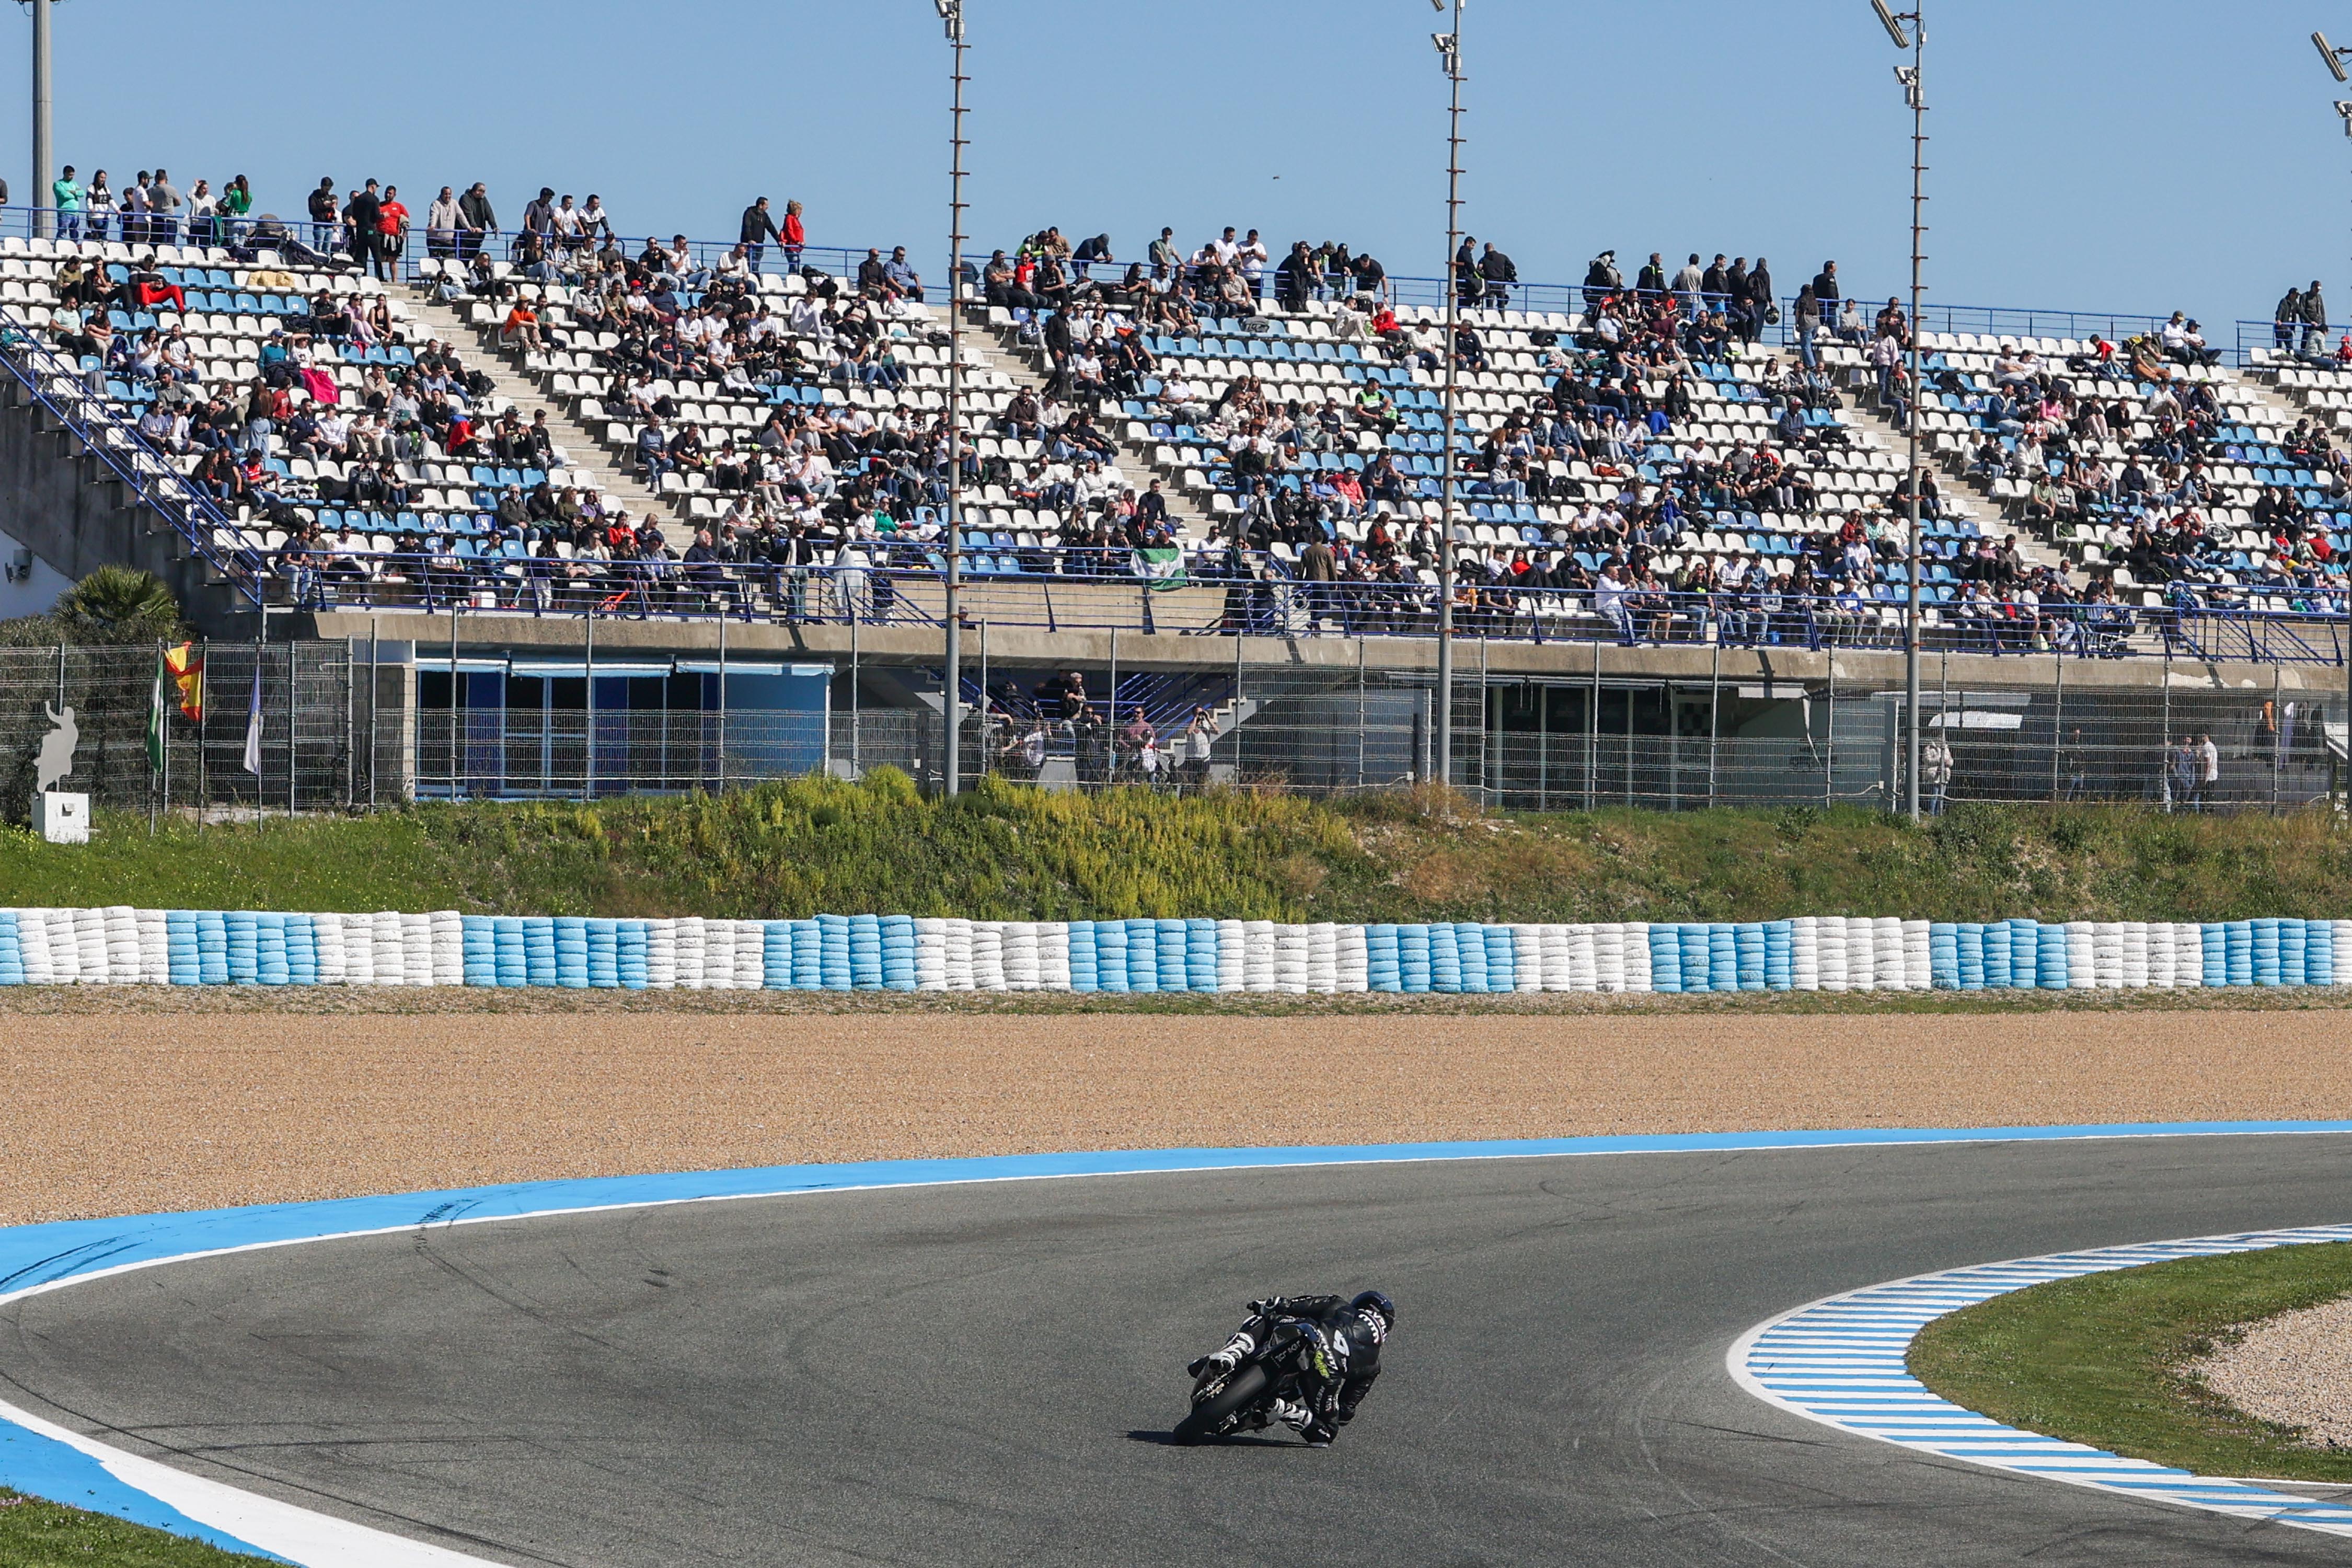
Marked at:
<point>1338,1356</point>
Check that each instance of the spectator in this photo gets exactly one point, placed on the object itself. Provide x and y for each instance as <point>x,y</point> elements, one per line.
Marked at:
<point>1200,741</point>
<point>756,228</point>
<point>2315,323</point>
<point>2284,320</point>
<point>134,210</point>
<point>441,223</point>
<point>476,220</point>
<point>795,238</point>
<point>364,215</point>
<point>326,233</point>
<point>390,234</point>
<point>1690,285</point>
<point>1499,273</point>
<point>1825,282</point>
<point>899,274</point>
<point>66,197</point>
<point>164,204</point>
<point>520,328</point>
<point>1252,258</point>
<point>1165,257</point>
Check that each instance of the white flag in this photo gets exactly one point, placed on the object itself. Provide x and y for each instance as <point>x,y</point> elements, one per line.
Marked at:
<point>253,725</point>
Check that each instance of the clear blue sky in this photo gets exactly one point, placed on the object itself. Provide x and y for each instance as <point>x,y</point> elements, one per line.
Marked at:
<point>2087,155</point>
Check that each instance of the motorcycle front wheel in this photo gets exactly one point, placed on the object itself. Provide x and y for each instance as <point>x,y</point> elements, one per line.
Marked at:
<point>1244,1389</point>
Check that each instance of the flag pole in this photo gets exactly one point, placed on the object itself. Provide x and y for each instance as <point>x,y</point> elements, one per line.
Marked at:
<point>158,774</point>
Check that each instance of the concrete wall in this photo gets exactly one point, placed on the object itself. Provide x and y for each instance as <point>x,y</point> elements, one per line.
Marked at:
<point>69,508</point>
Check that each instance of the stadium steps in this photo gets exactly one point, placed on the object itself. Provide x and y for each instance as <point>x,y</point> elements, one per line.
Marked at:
<point>999,349</point>
<point>2289,404</point>
<point>1962,497</point>
<point>583,453</point>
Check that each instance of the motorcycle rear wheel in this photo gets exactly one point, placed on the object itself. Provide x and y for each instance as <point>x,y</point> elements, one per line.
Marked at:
<point>1247,1387</point>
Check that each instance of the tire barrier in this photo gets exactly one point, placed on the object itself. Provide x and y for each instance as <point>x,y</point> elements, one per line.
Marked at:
<point>121,945</point>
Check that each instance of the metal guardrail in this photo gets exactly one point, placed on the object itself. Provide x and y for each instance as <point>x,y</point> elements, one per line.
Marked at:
<point>901,588</point>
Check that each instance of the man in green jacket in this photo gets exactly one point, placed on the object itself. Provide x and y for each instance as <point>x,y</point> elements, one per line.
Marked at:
<point>66,197</point>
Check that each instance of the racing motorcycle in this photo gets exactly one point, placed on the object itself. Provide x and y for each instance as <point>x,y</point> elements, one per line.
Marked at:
<point>1242,1400</point>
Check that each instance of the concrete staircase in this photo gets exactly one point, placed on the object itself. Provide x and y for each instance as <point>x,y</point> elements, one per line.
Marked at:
<point>2265,390</point>
<point>1963,498</point>
<point>997,345</point>
<point>583,453</point>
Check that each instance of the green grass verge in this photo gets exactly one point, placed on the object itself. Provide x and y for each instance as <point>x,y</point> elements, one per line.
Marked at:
<point>34,1533</point>
<point>2097,1360</point>
<point>1005,852</point>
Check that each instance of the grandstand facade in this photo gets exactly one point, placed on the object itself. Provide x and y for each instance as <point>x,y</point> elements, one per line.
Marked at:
<point>549,489</point>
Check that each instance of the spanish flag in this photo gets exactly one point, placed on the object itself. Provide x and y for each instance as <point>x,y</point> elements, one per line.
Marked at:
<point>184,668</point>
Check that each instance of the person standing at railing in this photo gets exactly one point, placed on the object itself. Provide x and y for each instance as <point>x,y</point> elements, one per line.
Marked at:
<point>756,229</point>
<point>2315,323</point>
<point>1809,322</point>
<point>164,204</point>
<point>391,234</point>
<point>441,221</point>
<point>1690,286</point>
<point>326,226</point>
<point>2287,318</point>
<point>476,220</point>
<point>1499,273</point>
<point>795,236</point>
<point>236,202</point>
<point>65,196</point>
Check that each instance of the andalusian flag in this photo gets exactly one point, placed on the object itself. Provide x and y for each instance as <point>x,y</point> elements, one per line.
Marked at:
<point>183,668</point>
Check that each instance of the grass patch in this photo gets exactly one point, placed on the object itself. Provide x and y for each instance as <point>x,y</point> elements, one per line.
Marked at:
<point>1006,852</point>
<point>2096,1360</point>
<point>34,1533</point>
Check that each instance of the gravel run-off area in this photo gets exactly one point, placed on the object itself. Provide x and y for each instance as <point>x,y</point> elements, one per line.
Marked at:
<point>124,1104</point>
<point>2293,1370</point>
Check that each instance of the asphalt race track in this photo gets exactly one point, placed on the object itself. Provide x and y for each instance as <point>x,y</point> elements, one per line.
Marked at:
<point>980,1374</point>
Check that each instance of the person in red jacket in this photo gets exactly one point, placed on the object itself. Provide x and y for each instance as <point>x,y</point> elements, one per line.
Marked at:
<point>794,237</point>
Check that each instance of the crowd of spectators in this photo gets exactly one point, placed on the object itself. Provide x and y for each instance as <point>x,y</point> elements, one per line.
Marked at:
<point>828,483</point>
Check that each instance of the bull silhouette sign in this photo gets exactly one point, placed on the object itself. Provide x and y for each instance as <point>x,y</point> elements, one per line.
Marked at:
<point>60,818</point>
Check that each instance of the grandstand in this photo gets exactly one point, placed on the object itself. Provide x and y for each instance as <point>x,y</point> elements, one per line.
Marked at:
<point>507,451</point>
<point>1634,440</point>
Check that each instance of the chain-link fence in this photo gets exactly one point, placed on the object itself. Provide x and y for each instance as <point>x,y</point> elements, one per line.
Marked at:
<point>282,727</point>
<point>331,727</point>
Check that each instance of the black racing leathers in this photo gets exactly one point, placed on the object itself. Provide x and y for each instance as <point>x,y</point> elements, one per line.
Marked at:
<point>1336,1353</point>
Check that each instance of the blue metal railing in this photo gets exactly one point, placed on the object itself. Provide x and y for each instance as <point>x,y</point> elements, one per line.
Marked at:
<point>150,474</point>
<point>1058,590</point>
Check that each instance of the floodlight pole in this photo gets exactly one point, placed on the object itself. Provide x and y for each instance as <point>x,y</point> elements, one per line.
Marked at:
<point>951,704</point>
<point>2335,60</point>
<point>1914,92</point>
<point>43,220</point>
<point>1450,52</point>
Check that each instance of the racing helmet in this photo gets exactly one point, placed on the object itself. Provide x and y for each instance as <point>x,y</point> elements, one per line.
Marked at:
<point>1376,1301</point>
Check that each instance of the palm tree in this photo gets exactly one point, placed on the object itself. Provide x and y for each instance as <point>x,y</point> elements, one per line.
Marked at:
<point>118,605</point>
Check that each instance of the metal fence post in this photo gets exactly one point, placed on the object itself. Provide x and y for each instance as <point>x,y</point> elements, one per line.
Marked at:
<point>1829,727</point>
<point>1360,712</point>
<point>722,700</point>
<point>293,719</point>
<point>2057,717</point>
<point>588,708</point>
<point>351,716</point>
<point>1592,728</point>
<point>1714,715</point>
<point>2278,732</point>
<point>203,712</point>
